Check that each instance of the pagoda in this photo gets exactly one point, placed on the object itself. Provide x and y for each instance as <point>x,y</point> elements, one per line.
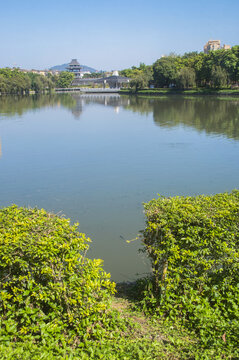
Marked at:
<point>75,68</point>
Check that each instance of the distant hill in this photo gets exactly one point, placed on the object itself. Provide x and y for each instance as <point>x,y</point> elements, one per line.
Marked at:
<point>64,66</point>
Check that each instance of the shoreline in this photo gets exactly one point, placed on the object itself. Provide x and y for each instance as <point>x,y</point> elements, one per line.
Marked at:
<point>163,92</point>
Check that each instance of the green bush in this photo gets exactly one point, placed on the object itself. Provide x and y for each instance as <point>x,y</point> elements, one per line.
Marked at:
<point>193,244</point>
<point>49,291</point>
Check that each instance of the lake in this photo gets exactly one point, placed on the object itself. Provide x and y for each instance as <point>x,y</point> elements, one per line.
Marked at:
<point>97,158</point>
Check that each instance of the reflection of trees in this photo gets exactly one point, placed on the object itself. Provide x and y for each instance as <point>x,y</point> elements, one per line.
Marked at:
<point>17,105</point>
<point>213,115</point>
<point>141,105</point>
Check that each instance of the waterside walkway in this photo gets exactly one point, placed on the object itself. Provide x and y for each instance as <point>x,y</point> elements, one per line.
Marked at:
<point>89,90</point>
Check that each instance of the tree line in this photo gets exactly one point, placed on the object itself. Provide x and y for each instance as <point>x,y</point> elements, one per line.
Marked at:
<point>14,81</point>
<point>218,69</point>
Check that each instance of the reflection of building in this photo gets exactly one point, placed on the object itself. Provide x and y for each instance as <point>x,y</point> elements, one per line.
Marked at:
<point>77,109</point>
<point>113,100</point>
<point>212,45</point>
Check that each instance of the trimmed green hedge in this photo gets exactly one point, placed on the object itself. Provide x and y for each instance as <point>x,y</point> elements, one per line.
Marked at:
<point>49,290</point>
<point>193,244</point>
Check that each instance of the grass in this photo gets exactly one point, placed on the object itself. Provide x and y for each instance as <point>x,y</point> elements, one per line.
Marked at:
<point>156,339</point>
<point>165,91</point>
<point>141,337</point>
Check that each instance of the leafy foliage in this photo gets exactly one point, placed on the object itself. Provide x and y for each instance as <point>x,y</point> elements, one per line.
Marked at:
<point>218,77</point>
<point>141,81</point>
<point>54,302</point>
<point>193,246</point>
<point>141,76</point>
<point>217,69</point>
<point>49,289</point>
<point>165,72</point>
<point>14,81</point>
<point>186,78</point>
<point>94,75</point>
<point>65,79</point>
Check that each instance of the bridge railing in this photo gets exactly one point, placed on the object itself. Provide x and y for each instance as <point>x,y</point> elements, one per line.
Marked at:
<point>88,90</point>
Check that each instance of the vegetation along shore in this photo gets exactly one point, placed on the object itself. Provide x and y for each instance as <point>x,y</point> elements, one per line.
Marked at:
<point>195,72</point>
<point>58,304</point>
<point>163,92</point>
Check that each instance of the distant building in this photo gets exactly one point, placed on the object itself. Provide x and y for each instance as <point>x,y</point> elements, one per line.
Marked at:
<point>75,68</point>
<point>39,72</point>
<point>212,45</point>
<point>226,47</point>
<point>115,73</point>
<point>54,72</point>
<point>84,73</point>
<point>113,81</point>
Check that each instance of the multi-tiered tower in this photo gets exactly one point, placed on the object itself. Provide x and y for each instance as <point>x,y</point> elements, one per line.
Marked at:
<point>75,68</point>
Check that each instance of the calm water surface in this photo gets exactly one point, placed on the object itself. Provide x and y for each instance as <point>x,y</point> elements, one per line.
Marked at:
<point>96,159</point>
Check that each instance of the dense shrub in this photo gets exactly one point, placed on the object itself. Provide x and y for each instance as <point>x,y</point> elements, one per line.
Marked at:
<point>49,291</point>
<point>193,243</point>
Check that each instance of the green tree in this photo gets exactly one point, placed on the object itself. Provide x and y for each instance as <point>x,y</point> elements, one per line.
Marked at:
<point>14,81</point>
<point>142,78</point>
<point>19,83</point>
<point>218,77</point>
<point>37,84</point>
<point>186,78</point>
<point>164,72</point>
<point>190,54</point>
<point>65,79</point>
<point>139,82</point>
<point>235,51</point>
<point>94,75</point>
<point>3,85</point>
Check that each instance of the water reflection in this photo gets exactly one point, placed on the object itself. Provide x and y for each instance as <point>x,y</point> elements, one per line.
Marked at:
<point>212,115</point>
<point>81,101</point>
<point>15,105</point>
<point>99,169</point>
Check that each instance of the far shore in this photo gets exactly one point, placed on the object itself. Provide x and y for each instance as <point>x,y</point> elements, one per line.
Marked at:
<point>140,92</point>
<point>160,92</point>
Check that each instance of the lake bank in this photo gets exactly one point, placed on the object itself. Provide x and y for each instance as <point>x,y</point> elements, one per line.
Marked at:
<point>196,92</point>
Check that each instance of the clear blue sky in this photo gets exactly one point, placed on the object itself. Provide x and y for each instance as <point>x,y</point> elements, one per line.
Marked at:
<point>108,34</point>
